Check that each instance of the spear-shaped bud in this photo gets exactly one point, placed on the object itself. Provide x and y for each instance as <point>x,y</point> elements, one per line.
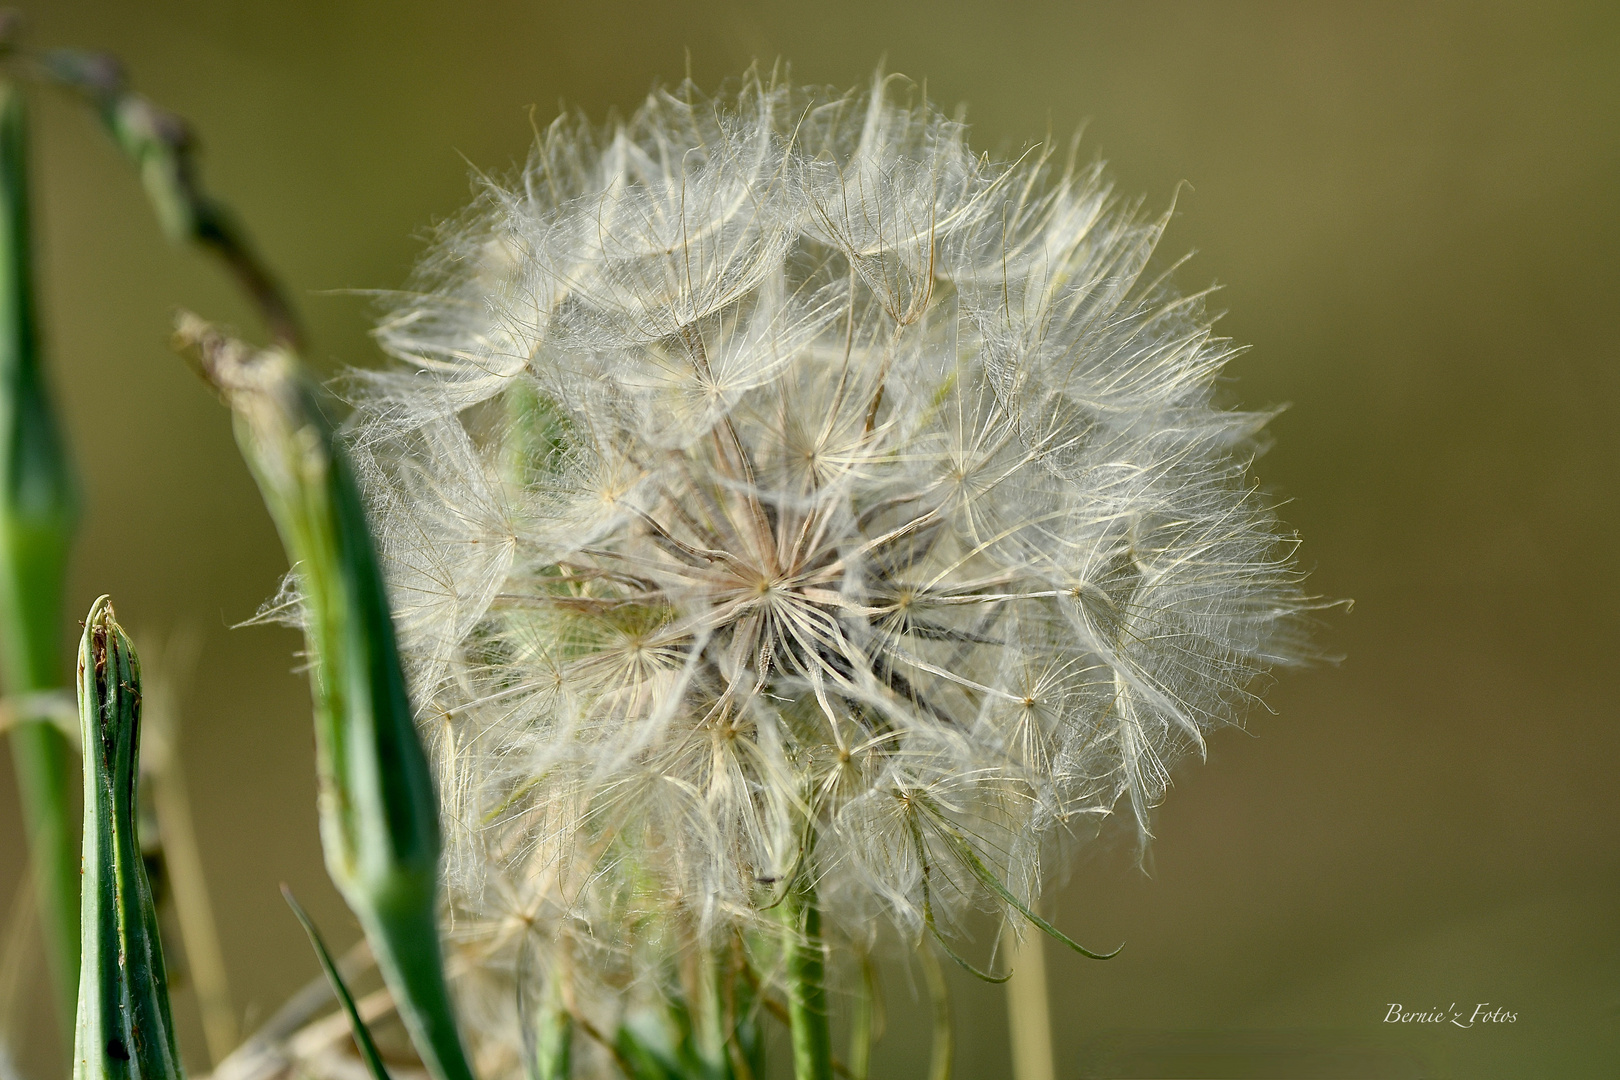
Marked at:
<point>124,1028</point>
<point>378,810</point>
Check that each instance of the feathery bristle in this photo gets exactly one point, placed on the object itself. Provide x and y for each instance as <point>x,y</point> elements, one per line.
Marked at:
<point>770,486</point>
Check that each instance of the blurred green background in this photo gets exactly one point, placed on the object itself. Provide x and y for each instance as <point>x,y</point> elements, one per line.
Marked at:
<point>1413,212</point>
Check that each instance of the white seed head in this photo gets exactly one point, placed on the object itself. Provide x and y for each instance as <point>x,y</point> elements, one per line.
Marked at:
<point>771,487</point>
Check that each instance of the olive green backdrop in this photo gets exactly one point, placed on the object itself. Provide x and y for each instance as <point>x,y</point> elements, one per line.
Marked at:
<point>1413,212</point>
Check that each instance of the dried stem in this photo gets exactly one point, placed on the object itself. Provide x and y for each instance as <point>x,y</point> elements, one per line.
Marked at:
<point>162,146</point>
<point>198,930</point>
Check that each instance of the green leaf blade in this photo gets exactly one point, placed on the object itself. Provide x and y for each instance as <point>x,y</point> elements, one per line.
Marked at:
<point>362,1034</point>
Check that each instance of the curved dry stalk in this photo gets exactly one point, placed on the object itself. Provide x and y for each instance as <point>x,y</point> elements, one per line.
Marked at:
<point>16,947</point>
<point>163,149</point>
<point>182,857</point>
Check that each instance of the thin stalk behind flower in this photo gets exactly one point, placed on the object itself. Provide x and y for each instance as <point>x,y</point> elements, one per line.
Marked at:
<point>379,818</point>
<point>38,515</point>
<point>863,1022</point>
<point>942,1051</point>
<point>548,1027</point>
<point>1029,1020</point>
<point>124,1025</point>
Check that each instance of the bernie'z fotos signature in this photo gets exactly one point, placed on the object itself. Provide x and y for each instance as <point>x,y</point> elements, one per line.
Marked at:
<point>1482,1013</point>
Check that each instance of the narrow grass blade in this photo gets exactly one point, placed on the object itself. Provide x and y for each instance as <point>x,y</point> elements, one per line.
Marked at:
<point>362,1035</point>
<point>124,1027</point>
<point>38,515</point>
<point>199,933</point>
<point>553,1046</point>
<point>378,806</point>
<point>165,782</point>
<point>928,909</point>
<point>640,1060</point>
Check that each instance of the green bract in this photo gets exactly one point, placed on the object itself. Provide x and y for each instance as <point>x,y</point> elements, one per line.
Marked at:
<point>379,818</point>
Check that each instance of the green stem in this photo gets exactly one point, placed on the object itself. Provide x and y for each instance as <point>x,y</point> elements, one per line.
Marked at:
<point>404,936</point>
<point>37,517</point>
<point>806,983</point>
<point>553,1041</point>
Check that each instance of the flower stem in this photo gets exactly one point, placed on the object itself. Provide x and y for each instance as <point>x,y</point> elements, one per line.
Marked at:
<point>806,983</point>
<point>37,517</point>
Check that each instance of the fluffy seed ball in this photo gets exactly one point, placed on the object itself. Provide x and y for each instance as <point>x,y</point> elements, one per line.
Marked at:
<point>774,491</point>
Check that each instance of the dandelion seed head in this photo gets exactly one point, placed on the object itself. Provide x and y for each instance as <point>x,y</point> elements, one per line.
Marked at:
<point>769,486</point>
